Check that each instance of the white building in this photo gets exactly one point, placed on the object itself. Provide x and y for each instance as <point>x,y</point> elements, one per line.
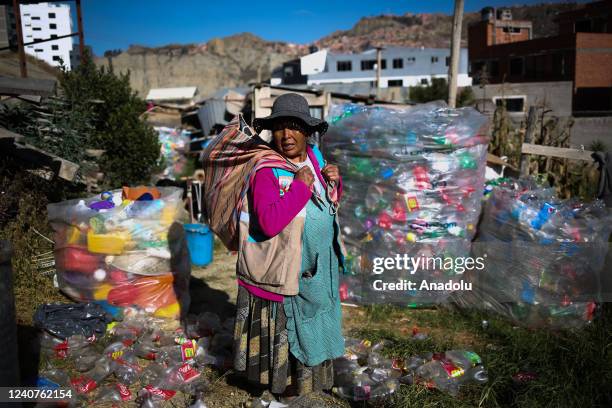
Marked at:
<point>46,20</point>
<point>400,67</point>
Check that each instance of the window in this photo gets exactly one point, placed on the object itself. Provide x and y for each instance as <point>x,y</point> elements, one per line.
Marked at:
<point>52,26</point>
<point>344,66</point>
<point>434,60</point>
<point>411,60</point>
<point>398,63</point>
<point>368,65</point>
<point>395,82</point>
<point>55,47</point>
<point>424,81</point>
<point>516,66</point>
<point>494,68</point>
<point>511,30</point>
<point>38,50</point>
<point>35,18</point>
<point>583,26</point>
<point>513,104</point>
<point>51,15</point>
<point>36,29</point>
<point>37,39</point>
<point>447,61</point>
<point>56,58</point>
<point>288,71</point>
<point>53,35</point>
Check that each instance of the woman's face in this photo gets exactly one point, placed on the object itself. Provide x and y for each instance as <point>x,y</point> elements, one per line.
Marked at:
<point>289,138</point>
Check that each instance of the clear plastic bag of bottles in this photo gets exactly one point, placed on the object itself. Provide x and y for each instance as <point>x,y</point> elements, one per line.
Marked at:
<point>544,256</point>
<point>412,181</point>
<point>113,249</point>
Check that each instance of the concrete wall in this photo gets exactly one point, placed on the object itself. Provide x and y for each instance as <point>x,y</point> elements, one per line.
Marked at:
<point>554,95</point>
<point>587,130</point>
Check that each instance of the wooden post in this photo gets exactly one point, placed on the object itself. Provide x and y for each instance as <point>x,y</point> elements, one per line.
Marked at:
<point>9,363</point>
<point>81,34</point>
<point>531,124</point>
<point>20,48</point>
<point>453,67</point>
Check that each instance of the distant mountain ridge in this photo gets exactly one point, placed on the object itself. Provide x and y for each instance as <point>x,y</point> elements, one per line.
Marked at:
<point>243,58</point>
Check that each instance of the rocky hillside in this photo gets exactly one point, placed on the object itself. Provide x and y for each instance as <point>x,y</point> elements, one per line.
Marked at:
<point>244,58</point>
<point>430,30</point>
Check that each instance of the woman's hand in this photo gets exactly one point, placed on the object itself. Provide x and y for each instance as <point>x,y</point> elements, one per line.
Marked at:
<point>331,173</point>
<point>304,174</point>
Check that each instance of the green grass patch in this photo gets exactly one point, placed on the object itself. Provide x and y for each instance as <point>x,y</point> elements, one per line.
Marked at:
<point>573,368</point>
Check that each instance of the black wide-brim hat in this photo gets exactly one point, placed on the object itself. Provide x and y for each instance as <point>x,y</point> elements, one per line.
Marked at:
<point>291,105</point>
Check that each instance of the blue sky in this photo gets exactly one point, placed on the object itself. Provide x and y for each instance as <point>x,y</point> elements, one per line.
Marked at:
<point>115,24</point>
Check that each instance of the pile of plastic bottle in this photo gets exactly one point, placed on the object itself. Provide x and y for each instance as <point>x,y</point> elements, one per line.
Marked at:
<point>113,250</point>
<point>137,360</point>
<point>412,181</point>
<point>544,256</point>
<point>364,374</point>
<point>173,143</point>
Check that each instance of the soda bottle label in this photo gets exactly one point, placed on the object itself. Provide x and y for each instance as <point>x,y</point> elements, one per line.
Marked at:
<point>158,392</point>
<point>188,373</point>
<point>83,385</point>
<point>124,392</point>
<point>188,350</point>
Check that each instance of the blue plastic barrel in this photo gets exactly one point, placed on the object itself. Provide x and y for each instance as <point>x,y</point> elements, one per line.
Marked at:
<point>200,243</point>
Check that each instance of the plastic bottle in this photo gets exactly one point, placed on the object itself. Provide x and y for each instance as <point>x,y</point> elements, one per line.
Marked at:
<point>114,393</point>
<point>61,348</point>
<point>91,379</point>
<point>145,349</point>
<point>127,370</point>
<point>56,376</point>
<point>367,391</point>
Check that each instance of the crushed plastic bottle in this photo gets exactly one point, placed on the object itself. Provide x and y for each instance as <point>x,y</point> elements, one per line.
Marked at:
<point>54,378</point>
<point>448,371</point>
<point>127,370</point>
<point>367,390</point>
<point>114,393</point>
<point>91,379</point>
<point>59,348</point>
<point>145,349</point>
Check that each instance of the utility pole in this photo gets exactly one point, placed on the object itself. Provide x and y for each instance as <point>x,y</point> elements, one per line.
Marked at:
<point>20,48</point>
<point>81,34</point>
<point>378,68</point>
<point>453,67</point>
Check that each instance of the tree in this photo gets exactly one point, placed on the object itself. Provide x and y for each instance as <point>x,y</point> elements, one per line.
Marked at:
<point>438,90</point>
<point>131,146</point>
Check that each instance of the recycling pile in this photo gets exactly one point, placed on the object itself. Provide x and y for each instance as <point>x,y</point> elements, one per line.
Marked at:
<point>364,374</point>
<point>544,256</point>
<point>412,182</point>
<point>174,142</point>
<point>139,359</point>
<point>113,249</point>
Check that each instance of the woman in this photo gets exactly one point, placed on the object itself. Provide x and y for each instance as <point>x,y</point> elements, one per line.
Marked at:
<point>288,324</point>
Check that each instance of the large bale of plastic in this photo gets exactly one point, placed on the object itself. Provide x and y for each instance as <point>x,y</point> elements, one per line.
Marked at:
<point>412,182</point>
<point>117,252</point>
<point>544,256</point>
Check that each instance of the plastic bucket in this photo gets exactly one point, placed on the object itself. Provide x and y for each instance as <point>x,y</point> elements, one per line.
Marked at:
<point>200,243</point>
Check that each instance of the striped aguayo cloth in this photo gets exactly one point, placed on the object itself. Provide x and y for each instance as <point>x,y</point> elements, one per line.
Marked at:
<point>230,162</point>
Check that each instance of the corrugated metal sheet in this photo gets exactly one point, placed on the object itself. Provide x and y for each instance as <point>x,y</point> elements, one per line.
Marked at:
<point>220,108</point>
<point>171,94</point>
